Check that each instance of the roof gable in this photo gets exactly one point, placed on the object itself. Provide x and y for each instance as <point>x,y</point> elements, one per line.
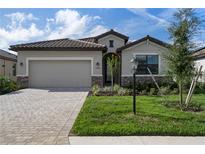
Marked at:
<point>112,32</point>
<point>199,53</point>
<point>152,39</point>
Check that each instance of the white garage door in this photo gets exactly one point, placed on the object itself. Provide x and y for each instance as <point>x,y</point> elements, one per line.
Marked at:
<point>59,73</point>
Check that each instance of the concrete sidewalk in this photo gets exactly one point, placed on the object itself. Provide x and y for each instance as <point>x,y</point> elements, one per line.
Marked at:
<point>139,140</point>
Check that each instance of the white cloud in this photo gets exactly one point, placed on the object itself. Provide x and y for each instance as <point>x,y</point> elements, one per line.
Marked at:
<point>16,31</point>
<point>65,23</point>
<point>70,23</point>
<point>18,18</point>
<point>145,23</point>
<point>99,29</point>
<point>159,21</point>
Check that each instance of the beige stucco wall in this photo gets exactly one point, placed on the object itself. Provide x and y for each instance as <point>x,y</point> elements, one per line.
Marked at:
<point>198,63</point>
<point>8,69</point>
<point>144,48</point>
<point>118,42</point>
<point>23,55</point>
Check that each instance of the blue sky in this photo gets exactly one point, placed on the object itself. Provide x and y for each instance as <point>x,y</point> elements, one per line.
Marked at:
<point>28,25</point>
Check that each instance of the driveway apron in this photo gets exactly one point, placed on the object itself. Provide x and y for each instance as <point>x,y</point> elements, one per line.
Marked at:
<point>39,116</point>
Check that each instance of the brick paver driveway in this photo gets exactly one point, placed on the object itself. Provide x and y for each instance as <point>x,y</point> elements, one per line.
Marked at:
<point>39,116</point>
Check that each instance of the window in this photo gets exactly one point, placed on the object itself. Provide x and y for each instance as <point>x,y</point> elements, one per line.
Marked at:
<point>14,70</point>
<point>111,43</point>
<point>150,61</point>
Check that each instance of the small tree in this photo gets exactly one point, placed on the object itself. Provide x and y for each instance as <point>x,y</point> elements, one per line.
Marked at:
<point>182,31</point>
<point>112,63</point>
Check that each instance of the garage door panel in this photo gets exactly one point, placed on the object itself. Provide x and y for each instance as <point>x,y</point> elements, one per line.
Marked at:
<point>60,73</point>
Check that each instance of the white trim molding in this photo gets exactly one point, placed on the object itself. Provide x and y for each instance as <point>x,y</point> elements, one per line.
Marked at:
<point>60,58</point>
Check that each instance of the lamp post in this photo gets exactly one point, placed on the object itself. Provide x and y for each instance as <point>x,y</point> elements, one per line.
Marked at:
<point>134,62</point>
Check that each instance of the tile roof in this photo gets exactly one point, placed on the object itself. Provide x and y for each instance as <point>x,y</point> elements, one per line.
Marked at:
<point>59,44</point>
<point>112,32</point>
<point>89,39</point>
<point>141,40</point>
<point>7,55</point>
<point>200,53</point>
<point>90,43</point>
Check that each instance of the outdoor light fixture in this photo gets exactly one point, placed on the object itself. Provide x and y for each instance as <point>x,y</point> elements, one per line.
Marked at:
<point>135,63</point>
<point>21,64</point>
<point>97,65</point>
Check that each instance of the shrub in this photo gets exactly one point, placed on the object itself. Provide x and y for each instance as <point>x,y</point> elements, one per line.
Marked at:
<point>7,85</point>
<point>116,88</point>
<point>106,89</point>
<point>147,85</point>
<point>143,92</point>
<point>152,91</point>
<point>200,88</point>
<point>175,91</point>
<point>95,89</point>
<point>165,90</point>
<point>122,92</point>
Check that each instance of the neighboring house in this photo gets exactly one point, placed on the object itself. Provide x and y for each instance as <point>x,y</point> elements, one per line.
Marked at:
<point>199,57</point>
<point>82,63</point>
<point>8,64</point>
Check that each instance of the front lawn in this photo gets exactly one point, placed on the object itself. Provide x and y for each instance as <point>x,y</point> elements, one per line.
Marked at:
<point>112,115</point>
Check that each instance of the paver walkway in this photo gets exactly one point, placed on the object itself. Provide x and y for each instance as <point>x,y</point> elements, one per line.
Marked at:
<point>39,116</point>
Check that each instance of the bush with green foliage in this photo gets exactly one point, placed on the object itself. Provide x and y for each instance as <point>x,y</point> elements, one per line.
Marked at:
<point>144,87</point>
<point>200,88</point>
<point>152,91</point>
<point>165,90</point>
<point>121,92</point>
<point>143,92</point>
<point>7,85</point>
<point>106,89</point>
<point>95,89</point>
<point>175,91</point>
<point>116,88</point>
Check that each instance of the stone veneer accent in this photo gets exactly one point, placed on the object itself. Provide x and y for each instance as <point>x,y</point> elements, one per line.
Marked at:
<point>22,81</point>
<point>127,81</point>
<point>97,80</point>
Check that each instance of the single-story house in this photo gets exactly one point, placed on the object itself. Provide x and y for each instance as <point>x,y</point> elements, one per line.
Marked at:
<point>199,58</point>
<point>83,62</point>
<point>8,64</point>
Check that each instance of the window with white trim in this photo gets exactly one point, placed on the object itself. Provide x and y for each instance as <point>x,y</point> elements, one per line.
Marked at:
<point>150,61</point>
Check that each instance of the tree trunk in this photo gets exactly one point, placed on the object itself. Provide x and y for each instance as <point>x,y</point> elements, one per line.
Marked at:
<point>181,94</point>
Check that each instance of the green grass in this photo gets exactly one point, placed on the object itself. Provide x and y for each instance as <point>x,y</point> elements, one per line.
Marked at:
<point>103,115</point>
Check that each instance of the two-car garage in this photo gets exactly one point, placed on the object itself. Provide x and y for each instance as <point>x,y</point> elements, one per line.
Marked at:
<point>59,73</point>
<point>60,63</point>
